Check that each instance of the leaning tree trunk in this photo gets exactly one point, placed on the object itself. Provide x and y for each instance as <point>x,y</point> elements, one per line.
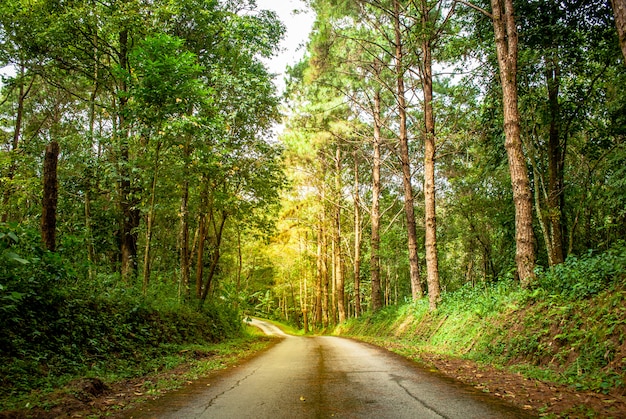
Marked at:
<point>50,196</point>
<point>506,48</point>
<point>619,10</point>
<point>416,285</point>
<point>218,230</point>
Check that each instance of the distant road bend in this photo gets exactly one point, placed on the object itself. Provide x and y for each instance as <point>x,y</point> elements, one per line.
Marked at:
<point>328,377</point>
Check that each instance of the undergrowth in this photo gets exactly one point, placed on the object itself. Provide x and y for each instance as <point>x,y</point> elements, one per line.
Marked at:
<point>570,328</point>
<point>57,326</point>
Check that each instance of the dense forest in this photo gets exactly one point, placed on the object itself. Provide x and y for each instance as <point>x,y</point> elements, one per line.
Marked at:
<point>429,147</point>
<point>433,145</point>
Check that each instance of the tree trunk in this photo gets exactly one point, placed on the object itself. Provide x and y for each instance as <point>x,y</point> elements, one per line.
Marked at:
<point>556,161</point>
<point>339,279</point>
<point>325,293</point>
<point>15,141</point>
<point>416,285</point>
<point>216,256</point>
<point>201,239</point>
<point>128,193</point>
<point>357,240</point>
<point>619,10</point>
<point>506,48</point>
<point>432,262</point>
<point>375,213</point>
<point>50,196</point>
<point>150,222</point>
<point>318,276</point>
<point>185,262</point>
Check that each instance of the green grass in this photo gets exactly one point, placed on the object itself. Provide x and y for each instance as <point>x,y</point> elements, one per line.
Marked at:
<point>540,333</point>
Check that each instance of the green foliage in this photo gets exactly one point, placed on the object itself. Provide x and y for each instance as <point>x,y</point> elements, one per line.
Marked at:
<point>55,325</point>
<point>585,276</point>
<point>564,330</point>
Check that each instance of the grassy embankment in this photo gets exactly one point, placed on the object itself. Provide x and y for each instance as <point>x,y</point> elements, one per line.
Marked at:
<point>570,329</point>
<point>62,332</point>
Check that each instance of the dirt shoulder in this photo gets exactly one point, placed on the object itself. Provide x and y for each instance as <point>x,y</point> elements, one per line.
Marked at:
<point>91,397</point>
<point>536,396</point>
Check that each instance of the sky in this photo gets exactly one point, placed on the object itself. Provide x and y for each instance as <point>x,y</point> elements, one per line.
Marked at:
<point>298,28</point>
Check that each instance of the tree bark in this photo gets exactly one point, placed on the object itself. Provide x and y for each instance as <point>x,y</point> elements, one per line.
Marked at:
<point>339,279</point>
<point>375,213</point>
<point>128,193</point>
<point>201,238</point>
<point>185,262</point>
<point>619,10</point>
<point>318,276</point>
<point>216,256</point>
<point>416,285</point>
<point>50,196</point>
<point>150,222</point>
<point>506,48</point>
<point>357,240</point>
<point>556,162</point>
<point>432,261</point>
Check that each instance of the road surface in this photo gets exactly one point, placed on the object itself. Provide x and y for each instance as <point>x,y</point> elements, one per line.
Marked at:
<point>328,377</point>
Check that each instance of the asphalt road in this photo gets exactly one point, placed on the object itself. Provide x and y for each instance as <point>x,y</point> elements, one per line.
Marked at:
<point>328,377</point>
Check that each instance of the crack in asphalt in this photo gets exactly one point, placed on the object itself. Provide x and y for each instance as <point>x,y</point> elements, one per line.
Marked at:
<point>234,386</point>
<point>397,379</point>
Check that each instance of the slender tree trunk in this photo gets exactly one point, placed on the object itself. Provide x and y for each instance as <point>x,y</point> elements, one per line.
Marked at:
<point>128,193</point>
<point>375,213</point>
<point>357,240</point>
<point>50,196</point>
<point>432,262</point>
<point>556,162</point>
<point>201,238</point>
<point>619,10</point>
<point>416,285</point>
<point>150,222</point>
<point>318,276</point>
<point>185,262</point>
<point>333,278</point>
<point>340,284</point>
<point>15,141</point>
<point>303,285</point>
<point>239,265</point>
<point>325,294</point>
<point>506,48</point>
<point>91,255</point>
<point>216,256</point>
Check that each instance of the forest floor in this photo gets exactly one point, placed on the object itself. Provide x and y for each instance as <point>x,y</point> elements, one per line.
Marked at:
<point>542,398</point>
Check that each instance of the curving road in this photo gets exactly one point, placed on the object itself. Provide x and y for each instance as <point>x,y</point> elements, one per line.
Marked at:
<point>328,377</point>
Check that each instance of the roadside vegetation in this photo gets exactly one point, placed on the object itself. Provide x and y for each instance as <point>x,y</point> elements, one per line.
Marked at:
<point>569,329</point>
<point>59,330</point>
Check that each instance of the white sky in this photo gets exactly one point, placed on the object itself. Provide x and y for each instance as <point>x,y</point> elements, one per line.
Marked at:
<point>298,26</point>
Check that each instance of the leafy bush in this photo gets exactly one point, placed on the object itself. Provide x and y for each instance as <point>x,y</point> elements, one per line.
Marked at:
<point>585,276</point>
<point>54,323</point>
